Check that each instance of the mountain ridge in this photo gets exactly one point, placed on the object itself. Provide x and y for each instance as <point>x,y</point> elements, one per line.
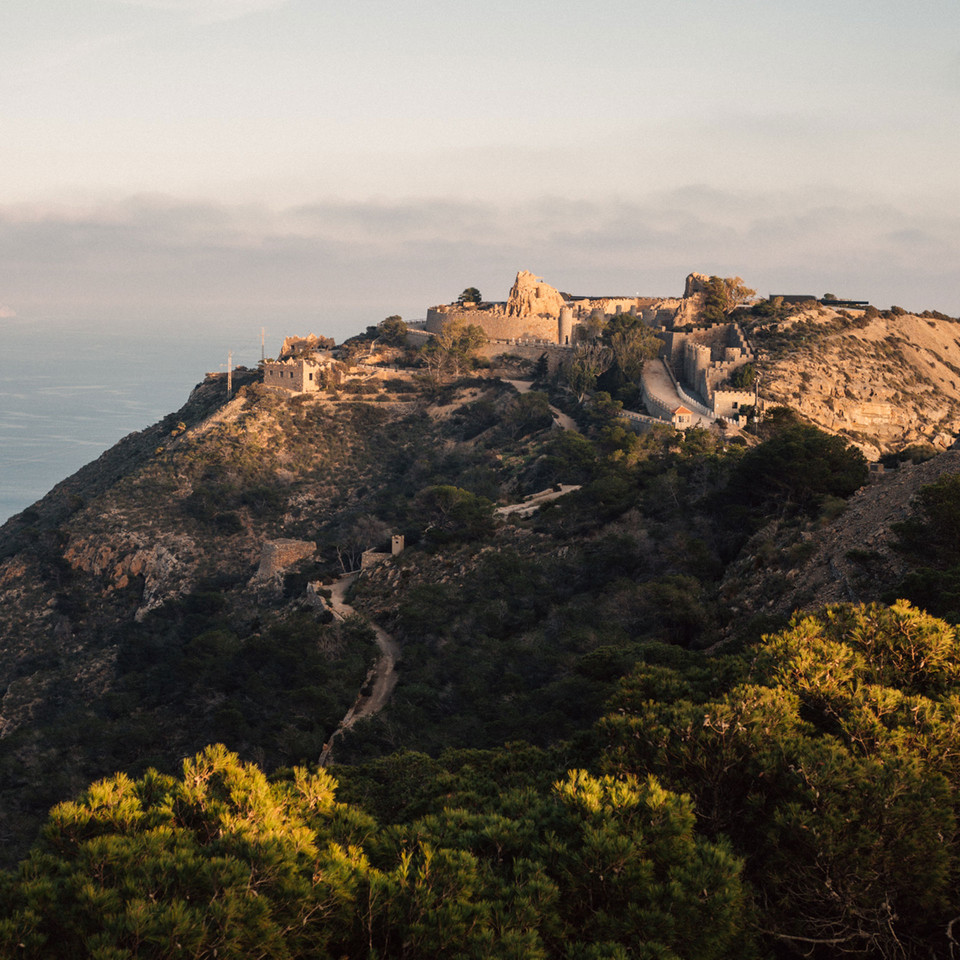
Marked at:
<point>138,632</point>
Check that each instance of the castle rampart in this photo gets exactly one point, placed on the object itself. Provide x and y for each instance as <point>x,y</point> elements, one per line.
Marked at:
<point>496,324</point>
<point>704,357</point>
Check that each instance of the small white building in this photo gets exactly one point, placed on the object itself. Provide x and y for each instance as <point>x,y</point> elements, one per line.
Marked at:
<point>682,418</point>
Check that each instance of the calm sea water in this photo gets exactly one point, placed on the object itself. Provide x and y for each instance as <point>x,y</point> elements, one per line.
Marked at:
<point>69,392</point>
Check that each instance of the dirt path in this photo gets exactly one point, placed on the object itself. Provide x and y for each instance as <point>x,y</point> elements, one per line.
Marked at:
<point>567,423</point>
<point>381,679</point>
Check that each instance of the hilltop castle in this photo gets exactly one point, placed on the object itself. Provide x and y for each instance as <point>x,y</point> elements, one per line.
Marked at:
<point>533,311</point>
<point>686,386</point>
<point>697,358</point>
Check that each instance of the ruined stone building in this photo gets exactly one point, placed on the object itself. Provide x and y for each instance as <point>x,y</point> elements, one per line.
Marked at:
<point>300,375</point>
<point>701,357</point>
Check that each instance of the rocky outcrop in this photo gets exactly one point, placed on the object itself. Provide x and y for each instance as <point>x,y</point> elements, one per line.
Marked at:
<point>850,558</point>
<point>885,381</point>
<point>531,297</point>
<point>696,283</point>
<point>164,567</point>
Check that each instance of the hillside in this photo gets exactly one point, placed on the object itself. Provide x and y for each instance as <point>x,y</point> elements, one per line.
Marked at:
<point>565,682</point>
<point>883,380</point>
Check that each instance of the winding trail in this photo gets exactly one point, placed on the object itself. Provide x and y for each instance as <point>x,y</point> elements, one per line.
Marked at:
<point>382,677</point>
<point>565,422</point>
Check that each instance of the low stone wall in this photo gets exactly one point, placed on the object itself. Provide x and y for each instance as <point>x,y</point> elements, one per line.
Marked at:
<point>641,423</point>
<point>657,407</point>
<point>698,408</point>
<point>534,351</point>
<point>417,338</point>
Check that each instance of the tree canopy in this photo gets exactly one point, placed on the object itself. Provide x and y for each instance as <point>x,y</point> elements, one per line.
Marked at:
<point>224,863</point>
<point>724,295</point>
<point>830,763</point>
<point>393,331</point>
<point>450,351</point>
<point>797,468</point>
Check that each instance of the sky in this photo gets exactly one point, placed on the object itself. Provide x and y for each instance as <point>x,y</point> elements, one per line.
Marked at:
<point>310,166</point>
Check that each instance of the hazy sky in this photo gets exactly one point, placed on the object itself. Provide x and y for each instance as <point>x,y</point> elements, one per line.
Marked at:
<point>312,165</point>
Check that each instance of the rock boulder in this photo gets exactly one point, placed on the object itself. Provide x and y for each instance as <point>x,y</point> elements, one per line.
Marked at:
<point>531,297</point>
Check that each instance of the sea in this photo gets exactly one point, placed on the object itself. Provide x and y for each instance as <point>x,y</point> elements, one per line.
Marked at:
<point>69,391</point>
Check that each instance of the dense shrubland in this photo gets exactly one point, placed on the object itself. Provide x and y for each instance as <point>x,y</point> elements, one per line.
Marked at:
<point>562,771</point>
<point>798,797</point>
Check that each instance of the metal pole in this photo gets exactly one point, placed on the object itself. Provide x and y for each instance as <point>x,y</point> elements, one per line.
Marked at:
<point>229,374</point>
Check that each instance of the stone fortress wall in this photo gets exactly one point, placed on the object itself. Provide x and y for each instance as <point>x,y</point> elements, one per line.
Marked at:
<point>703,357</point>
<point>536,317</point>
<point>495,321</point>
<point>533,311</point>
<point>700,358</point>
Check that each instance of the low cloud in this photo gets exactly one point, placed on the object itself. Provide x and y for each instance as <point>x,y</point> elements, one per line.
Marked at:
<point>208,11</point>
<point>159,259</point>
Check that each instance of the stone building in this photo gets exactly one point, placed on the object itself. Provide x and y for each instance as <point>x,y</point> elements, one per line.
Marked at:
<point>300,375</point>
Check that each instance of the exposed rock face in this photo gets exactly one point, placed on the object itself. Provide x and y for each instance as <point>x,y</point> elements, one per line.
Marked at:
<point>161,565</point>
<point>696,283</point>
<point>851,558</point>
<point>886,382</point>
<point>277,555</point>
<point>531,297</point>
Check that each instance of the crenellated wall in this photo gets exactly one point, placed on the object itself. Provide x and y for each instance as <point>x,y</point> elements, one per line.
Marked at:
<point>728,403</point>
<point>704,357</point>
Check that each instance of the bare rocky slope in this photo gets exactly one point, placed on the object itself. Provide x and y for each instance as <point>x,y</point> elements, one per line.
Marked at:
<point>135,627</point>
<point>883,380</point>
<point>845,555</point>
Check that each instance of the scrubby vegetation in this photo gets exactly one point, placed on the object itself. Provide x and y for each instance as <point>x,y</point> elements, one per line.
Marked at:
<point>590,752</point>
